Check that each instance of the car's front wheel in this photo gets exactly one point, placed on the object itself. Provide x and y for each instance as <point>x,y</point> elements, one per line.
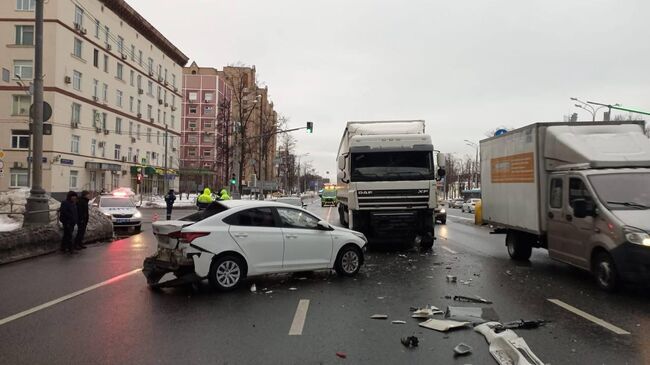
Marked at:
<point>348,262</point>
<point>226,273</point>
<point>604,271</point>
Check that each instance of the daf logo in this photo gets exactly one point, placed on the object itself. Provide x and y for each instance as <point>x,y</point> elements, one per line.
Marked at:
<point>423,191</point>
<point>365,192</point>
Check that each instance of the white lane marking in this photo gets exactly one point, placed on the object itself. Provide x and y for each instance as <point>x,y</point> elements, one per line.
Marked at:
<point>329,211</point>
<point>66,297</point>
<point>587,316</point>
<point>299,318</point>
<point>448,249</point>
<point>459,217</point>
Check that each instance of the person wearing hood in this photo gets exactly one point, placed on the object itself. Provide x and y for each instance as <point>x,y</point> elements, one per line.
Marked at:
<point>82,212</point>
<point>169,201</point>
<point>204,199</point>
<point>69,217</point>
<point>224,195</point>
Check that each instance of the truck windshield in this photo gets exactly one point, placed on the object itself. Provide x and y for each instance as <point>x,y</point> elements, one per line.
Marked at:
<point>380,166</point>
<point>625,191</point>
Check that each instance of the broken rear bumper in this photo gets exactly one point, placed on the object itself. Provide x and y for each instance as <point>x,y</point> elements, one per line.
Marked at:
<point>154,269</point>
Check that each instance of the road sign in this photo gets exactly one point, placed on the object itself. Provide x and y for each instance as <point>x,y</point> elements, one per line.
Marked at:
<point>47,111</point>
<point>500,132</point>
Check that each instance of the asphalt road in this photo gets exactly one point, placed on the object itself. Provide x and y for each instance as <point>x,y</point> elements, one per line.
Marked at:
<point>117,319</point>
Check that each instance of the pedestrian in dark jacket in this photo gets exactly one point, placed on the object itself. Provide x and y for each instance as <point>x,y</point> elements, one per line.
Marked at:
<point>82,211</point>
<point>169,200</point>
<point>69,217</point>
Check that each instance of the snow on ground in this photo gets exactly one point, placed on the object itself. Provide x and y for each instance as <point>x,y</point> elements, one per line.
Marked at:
<point>157,201</point>
<point>7,224</point>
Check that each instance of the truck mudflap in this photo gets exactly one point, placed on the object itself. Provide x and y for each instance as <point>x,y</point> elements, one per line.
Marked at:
<point>154,269</point>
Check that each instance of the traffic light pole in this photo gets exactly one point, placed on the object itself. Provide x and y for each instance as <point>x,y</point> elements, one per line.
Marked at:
<point>36,209</point>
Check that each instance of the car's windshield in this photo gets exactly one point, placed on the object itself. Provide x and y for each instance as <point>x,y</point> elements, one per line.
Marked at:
<point>115,203</point>
<point>404,165</point>
<point>624,191</point>
<point>329,193</point>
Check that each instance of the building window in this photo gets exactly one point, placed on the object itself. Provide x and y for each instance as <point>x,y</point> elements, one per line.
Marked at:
<point>24,69</point>
<point>107,31</point>
<point>150,88</point>
<point>78,16</point>
<point>192,110</point>
<point>209,97</point>
<point>174,80</point>
<point>149,135</point>
<point>139,107</point>
<point>139,83</point>
<point>165,75</point>
<point>149,112</point>
<point>130,129</point>
<point>19,139</point>
<point>192,138</point>
<point>208,109</point>
<point>25,35</point>
<point>18,178</point>
<point>120,71</point>
<point>207,138</point>
<point>191,152</point>
<point>132,78</point>
<point>173,121</point>
<point>158,137</point>
<point>207,153</point>
<point>131,103</point>
<point>207,124</point>
<point>21,104</point>
<point>129,156</point>
<point>120,45</point>
<point>76,113</point>
<point>159,93</point>
<point>96,57</point>
<point>93,147</point>
<point>102,147</point>
<point>76,80</point>
<point>138,131</point>
<point>173,100</point>
<point>95,119</point>
<point>77,47</point>
<point>25,5</point>
<point>191,124</point>
<point>118,152</point>
<point>74,144</point>
<point>193,96</point>
<point>150,65</point>
<point>97,28</point>
<point>140,58</point>
<point>74,179</point>
<point>106,63</point>
<point>118,125</point>
<point>132,54</point>
<point>104,121</point>
<point>118,99</point>
<point>164,118</point>
<point>105,93</point>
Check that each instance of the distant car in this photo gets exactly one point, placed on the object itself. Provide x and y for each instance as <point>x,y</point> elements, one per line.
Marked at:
<point>328,197</point>
<point>297,202</point>
<point>234,239</point>
<point>470,205</point>
<point>441,214</point>
<point>457,203</point>
<point>120,209</point>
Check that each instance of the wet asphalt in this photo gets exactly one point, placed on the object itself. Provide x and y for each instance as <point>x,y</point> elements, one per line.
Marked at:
<point>125,322</point>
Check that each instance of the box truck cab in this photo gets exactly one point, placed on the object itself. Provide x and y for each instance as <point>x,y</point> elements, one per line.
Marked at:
<point>580,190</point>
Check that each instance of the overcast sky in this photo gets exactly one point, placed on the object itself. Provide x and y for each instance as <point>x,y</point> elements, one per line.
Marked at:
<point>464,67</point>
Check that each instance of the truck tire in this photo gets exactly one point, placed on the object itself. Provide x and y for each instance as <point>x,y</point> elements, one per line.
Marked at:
<point>519,248</point>
<point>605,272</point>
<point>342,216</point>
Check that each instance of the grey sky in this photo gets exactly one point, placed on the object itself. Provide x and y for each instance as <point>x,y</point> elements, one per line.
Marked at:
<point>464,67</point>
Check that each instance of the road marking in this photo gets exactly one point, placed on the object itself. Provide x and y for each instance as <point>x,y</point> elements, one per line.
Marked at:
<point>587,316</point>
<point>459,217</point>
<point>299,318</point>
<point>448,249</point>
<point>329,211</point>
<point>66,297</point>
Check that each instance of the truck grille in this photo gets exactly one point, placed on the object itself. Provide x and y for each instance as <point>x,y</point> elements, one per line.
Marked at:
<point>390,199</point>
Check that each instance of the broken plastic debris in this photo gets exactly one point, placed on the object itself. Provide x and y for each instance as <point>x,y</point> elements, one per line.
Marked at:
<point>442,325</point>
<point>451,278</point>
<point>426,312</point>
<point>253,288</point>
<point>506,347</point>
<point>402,256</point>
<point>475,315</point>
<point>268,292</point>
<point>477,299</point>
<point>293,289</point>
<point>379,316</point>
<point>380,298</point>
<point>410,341</point>
<point>342,355</point>
<point>462,349</point>
<point>521,324</point>
<point>508,272</point>
<point>398,322</point>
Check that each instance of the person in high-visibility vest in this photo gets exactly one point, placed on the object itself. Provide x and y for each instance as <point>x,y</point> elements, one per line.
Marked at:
<point>204,199</point>
<point>224,195</point>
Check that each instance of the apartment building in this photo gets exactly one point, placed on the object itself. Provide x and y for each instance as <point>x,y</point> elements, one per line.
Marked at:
<point>204,129</point>
<point>114,84</point>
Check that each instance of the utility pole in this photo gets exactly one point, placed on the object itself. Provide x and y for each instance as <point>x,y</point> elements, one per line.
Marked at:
<point>165,177</point>
<point>36,209</point>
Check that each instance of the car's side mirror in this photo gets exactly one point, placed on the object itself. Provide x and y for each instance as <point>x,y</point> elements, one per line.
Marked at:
<point>325,226</point>
<point>582,209</point>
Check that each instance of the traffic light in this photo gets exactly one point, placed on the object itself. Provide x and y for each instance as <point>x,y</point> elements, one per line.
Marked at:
<point>139,179</point>
<point>233,180</point>
<point>310,127</point>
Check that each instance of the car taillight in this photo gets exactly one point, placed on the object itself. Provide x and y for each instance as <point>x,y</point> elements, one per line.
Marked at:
<point>188,237</point>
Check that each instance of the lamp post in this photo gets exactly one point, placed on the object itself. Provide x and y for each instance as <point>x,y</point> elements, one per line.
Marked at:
<point>29,91</point>
<point>587,105</point>
<point>299,157</point>
<point>472,144</point>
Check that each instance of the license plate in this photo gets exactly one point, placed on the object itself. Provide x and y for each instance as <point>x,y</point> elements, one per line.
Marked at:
<point>122,220</point>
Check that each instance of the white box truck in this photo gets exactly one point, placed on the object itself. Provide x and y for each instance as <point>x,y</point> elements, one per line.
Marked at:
<point>387,181</point>
<point>579,190</point>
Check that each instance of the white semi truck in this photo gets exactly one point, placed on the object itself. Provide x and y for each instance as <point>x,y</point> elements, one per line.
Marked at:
<point>579,190</point>
<point>387,181</point>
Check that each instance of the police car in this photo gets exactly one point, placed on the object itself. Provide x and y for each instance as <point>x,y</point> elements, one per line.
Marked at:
<point>120,209</point>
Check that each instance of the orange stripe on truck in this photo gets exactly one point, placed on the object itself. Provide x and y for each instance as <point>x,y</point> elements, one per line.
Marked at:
<point>518,168</point>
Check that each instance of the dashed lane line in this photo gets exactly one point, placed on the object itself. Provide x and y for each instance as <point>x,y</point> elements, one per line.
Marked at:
<point>329,212</point>
<point>66,297</point>
<point>589,317</point>
<point>299,318</point>
<point>448,249</point>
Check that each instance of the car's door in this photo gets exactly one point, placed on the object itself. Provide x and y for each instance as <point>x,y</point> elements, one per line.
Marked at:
<point>306,246</point>
<point>578,238</point>
<point>256,232</point>
<point>557,225</point>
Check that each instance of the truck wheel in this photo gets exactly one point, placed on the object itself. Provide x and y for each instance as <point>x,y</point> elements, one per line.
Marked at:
<point>518,248</point>
<point>226,273</point>
<point>348,261</point>
<point>605,273</point>
<point>443,221</point>
<point>322,204</point>
<point>342,216</point>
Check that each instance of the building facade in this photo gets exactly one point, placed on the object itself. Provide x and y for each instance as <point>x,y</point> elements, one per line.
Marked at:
<point>114,85</point>
<point>205,120</point>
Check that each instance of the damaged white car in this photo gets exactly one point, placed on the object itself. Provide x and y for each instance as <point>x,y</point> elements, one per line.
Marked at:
<point>234,239</point>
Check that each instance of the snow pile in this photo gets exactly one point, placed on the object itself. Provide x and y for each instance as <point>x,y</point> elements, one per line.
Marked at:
<point>8,224</point>
<point>13,201</point>
<point>158,201</point>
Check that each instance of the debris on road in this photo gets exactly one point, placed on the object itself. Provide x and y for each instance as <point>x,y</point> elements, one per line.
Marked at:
<point>451,278</point>
<point>379,316</point>
<point>442,325</point>
<point>475,315</point>
<point>342,355</point>
<point>426,312</point>
<point>381,298</point>
<point>410,341</point>
<point>398,322</point>
<point>293,289</point>
<point>507,347</point>
<point>253,288</point>
<point>521,324</point>
<point>462,349</point>
<point>402,256</point>
<point>508,272</point>
<point>477,299</point>
<point>268,292</point>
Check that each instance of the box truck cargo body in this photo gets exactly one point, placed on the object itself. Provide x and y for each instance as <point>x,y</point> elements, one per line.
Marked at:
<point>580,190</point>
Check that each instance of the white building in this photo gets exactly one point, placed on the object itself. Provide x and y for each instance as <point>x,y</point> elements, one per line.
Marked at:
<point>114,84</point>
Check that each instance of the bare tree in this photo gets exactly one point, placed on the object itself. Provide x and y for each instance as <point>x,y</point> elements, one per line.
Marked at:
<point>288,158</point>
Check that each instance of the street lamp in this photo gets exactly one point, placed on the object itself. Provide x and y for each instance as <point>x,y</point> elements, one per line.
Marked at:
<point>299,156</point>
<point>472,144</point>
<point>586,105</point>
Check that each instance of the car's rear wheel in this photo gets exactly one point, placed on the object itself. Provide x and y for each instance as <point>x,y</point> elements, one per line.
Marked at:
<point>348,262</point>
<point>226,273</point>
<point>604,271</point>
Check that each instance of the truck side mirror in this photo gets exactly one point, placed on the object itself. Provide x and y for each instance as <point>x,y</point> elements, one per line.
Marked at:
<point>581,209</point>
<point>441,160</point>
<point>341,176</point>
<point>441,173</point>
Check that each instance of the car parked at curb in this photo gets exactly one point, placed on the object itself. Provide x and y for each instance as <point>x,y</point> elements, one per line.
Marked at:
<point>457,203</point>
<point>234,239</point>
<point>470,205</point>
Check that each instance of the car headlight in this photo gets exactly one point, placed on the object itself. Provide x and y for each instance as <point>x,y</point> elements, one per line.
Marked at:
<point>637,237</point>
<point>442,211</point>
<point>137,215</point>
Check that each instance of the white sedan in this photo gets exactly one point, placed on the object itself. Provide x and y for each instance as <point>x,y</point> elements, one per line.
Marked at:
<point>470,205</point>
<point>231,240</point>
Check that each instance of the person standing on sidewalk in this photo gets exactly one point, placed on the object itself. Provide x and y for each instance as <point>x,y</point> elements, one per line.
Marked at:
<point>69,217</point>
<point>82,211</point>
<point>169,200</point>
